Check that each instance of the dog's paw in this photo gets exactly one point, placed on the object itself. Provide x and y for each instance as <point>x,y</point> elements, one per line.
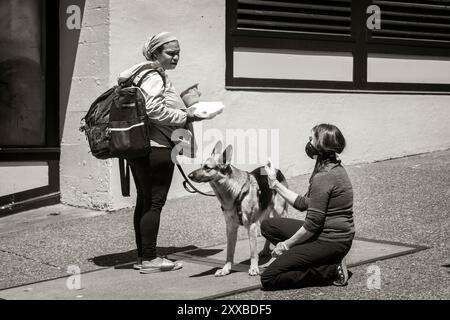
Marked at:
<point>253,271</point>
<point>222,272</point>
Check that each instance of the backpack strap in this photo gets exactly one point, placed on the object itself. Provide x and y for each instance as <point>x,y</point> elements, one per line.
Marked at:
<point>124,170</point>
<point>147,73</point>
<point>124,167</point>
<point>151,67</point>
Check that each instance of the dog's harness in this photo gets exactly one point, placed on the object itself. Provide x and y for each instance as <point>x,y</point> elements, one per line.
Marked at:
<point>242,194</point>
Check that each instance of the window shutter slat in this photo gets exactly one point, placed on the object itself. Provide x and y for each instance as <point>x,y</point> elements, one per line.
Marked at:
<point>425,5</point>
<point>408,34</point>
<point>310,16</point>
<point>294,5</point>
<point>292,15</point>
<point>275,25</point>
<point>413,15</point>
<point>416,24</point>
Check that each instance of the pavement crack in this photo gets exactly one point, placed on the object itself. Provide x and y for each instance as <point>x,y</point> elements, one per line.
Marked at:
<point>32,259</point>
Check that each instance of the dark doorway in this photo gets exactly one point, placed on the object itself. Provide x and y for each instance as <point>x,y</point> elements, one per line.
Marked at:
<point>29,104</point>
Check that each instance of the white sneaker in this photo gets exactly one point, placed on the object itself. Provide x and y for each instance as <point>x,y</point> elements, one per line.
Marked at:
<point>160,265</point>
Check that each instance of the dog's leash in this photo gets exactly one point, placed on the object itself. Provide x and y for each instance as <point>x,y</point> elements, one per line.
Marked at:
<point>186,182</point>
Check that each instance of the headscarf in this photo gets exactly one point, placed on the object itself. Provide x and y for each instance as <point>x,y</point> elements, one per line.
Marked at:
<point>155,42</point>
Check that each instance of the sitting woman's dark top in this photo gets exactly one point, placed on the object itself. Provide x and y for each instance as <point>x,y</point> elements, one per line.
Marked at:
<point>329,204</point>
<point>312,252</point>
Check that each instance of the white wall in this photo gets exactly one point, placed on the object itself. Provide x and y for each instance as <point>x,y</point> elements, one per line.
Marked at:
<point>376,126</point>
<point>297,65</point>
<point>21,176</point>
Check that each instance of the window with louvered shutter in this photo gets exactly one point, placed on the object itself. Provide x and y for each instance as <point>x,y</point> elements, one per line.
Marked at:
<point>413,32</point>
<point>320,17</point>
<point>421,20</point>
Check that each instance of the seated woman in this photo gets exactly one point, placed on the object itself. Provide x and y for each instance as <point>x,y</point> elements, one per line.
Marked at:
<point>311,252</point>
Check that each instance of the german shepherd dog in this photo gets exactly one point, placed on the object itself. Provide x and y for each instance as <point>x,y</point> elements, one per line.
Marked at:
<point>245,199</point>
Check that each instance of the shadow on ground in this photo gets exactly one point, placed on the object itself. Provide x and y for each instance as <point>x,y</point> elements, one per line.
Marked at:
<point>263,259</point>
<point>204,252</point>
<point>209,273</point>
<point>114,259</point>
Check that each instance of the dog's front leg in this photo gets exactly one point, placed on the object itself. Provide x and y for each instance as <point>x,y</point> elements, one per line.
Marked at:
<point>232,229</point>
<point>252,237</point>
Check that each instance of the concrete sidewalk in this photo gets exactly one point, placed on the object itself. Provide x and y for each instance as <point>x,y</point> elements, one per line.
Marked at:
<point>195,281</point>
<point>403,200</point>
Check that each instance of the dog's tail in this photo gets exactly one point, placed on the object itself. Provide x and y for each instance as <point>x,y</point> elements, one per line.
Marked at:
<point>281,178</point>
<point>280,206</point>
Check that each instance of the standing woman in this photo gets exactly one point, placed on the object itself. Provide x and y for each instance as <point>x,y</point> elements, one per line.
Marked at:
<point>152,174</point>
<point>311,252</point>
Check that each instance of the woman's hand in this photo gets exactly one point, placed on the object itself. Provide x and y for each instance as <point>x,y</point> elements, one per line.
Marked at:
<point>271,175</point>
<point>279,249</point>
<point>196,112</point>
<point>191,116</point>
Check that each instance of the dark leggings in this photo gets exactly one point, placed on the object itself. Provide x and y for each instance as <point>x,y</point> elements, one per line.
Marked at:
<point>313,263</point>
<point>153,176</point>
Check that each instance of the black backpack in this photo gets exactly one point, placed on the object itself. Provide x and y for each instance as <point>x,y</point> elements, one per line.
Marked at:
<point>117,125</point>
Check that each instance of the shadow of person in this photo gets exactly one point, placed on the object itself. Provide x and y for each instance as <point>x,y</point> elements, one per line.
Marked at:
<point>121,259</point>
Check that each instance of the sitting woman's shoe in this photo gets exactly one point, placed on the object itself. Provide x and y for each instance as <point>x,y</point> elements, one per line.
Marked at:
<point>342,274</point>
<point>138,264</point>
<point>159,265</point>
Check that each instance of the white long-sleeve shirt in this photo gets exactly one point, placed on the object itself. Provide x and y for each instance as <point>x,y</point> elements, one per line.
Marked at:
<point>165,108</point>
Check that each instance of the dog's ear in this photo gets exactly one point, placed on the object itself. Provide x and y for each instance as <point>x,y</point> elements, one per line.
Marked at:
<point>217,149</point>
<point>226,156</point>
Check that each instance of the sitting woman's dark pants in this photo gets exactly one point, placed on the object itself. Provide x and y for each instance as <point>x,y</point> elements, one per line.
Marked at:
<point>313,263</point>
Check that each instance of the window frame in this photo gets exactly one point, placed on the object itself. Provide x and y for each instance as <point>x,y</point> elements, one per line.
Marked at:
<point>50,152</point>
<point>360,44</point>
